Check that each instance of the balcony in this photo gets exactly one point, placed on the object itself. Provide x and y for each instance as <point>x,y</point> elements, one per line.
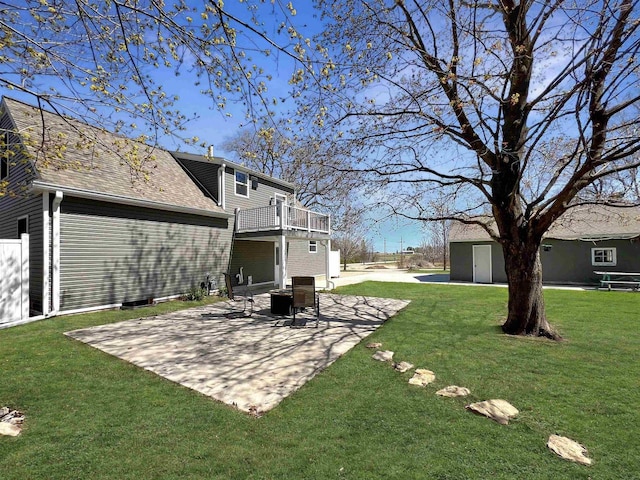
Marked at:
<point>281,217</point>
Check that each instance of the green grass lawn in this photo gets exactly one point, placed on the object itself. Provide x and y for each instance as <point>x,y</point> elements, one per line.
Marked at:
<point>90,415</point>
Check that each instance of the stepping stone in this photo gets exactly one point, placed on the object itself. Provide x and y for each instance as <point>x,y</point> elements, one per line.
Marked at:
<point>499,410</point>
<point>422,377</point>
<point>9,429</point>
<point>453,391</point>
<point>383,355</point>
<point>402,366</point>
<point>374,345</point>
<point>568,449</point>
<point>10,422</point>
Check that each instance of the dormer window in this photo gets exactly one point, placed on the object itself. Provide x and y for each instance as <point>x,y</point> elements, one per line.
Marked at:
<point>242,184</point>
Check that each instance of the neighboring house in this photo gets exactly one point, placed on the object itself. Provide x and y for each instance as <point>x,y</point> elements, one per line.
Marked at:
<point>585,239</point>
<point>112,220</point>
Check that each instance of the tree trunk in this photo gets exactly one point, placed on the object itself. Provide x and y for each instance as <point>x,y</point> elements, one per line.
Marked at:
<point>526,312</point>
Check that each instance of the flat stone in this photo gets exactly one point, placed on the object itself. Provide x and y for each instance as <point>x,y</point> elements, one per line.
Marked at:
<point>453,391</point>
<point>374,345</point>
<point>383,355</point>
<point>498,410</point>
<point>402,366</point>
<point>568,449</point>
<point>422,377</point>
<point>9,429</point>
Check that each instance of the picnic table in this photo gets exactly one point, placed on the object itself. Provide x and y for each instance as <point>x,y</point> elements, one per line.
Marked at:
<point>622,279</point>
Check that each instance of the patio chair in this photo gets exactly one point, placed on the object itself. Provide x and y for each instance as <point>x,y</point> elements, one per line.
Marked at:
<point>305,296</point>
<point>245,297</point>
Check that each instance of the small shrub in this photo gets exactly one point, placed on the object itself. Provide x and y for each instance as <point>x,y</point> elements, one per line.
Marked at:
<point>195,294</point>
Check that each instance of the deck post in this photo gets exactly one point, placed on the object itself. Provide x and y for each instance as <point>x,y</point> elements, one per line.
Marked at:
<point>284,210</point>
<point>327,264</point>
<point>282,246</point>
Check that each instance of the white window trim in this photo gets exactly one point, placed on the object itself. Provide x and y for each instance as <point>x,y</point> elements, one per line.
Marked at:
<point>315,245</point>
<point>236,183</point>
<point>23,217</point>
<point>604,264</point>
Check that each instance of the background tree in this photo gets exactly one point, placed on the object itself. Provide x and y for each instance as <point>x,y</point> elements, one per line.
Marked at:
<point>436,242</point>
<point>350,237</point>
<point>514,108</point>
<point>305,162</point>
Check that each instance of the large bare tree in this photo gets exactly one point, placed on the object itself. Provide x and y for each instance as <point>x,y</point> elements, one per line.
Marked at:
<point>514,108</point>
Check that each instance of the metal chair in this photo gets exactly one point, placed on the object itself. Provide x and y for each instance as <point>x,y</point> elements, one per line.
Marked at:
<point>246,297</point>
<point>305,296</point>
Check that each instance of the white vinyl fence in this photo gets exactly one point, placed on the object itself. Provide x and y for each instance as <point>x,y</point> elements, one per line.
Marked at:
<point>14,281</point>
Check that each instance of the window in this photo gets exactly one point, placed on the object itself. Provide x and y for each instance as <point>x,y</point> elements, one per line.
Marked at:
<point>4,156</point>
<point>242,184</point>
<point>313,246</point>
<point>603,256</point>
<point>23,225</point>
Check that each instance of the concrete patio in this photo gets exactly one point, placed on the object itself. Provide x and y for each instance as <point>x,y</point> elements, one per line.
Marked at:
<point>249,363</point>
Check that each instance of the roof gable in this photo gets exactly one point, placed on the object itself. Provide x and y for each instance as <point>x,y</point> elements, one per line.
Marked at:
<point>70,154</point>
<point>218,161</point>
<point>583,222</point>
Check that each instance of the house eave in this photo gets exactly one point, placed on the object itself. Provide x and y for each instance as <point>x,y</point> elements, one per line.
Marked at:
<point>39,187</point>
<point>234,165</point>
<point>567,238</point>
<point>471,240</point>
<point>273,235</point>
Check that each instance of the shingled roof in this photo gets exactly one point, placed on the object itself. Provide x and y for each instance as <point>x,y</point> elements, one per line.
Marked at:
<point>584,222</point>
<point>71,155</point>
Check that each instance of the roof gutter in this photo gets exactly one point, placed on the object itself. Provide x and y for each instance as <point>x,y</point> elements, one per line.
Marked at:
<point>39,186</point>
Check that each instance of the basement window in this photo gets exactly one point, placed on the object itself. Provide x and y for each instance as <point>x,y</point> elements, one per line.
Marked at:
<point>603,257</point>
<point>313,246</point>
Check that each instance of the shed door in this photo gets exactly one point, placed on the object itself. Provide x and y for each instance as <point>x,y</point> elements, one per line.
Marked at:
<point>482,264</point>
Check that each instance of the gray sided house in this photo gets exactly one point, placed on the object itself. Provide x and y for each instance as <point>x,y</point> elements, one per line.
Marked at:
<point>585,239</point>
<point>111,220</point>
<point>274,239</point>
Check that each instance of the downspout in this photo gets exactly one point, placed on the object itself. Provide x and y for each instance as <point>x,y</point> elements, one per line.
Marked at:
<point>327,264</point>
<point>282,245</point>
<point>46,252</point>
<point>220,187</point>
<point>55,261</point>
<point>223,194</point>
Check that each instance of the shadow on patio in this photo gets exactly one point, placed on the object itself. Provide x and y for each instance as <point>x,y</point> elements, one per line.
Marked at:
<point>249,363</point>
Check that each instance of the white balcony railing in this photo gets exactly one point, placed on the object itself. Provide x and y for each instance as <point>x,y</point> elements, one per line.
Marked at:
<point>281,217</point>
